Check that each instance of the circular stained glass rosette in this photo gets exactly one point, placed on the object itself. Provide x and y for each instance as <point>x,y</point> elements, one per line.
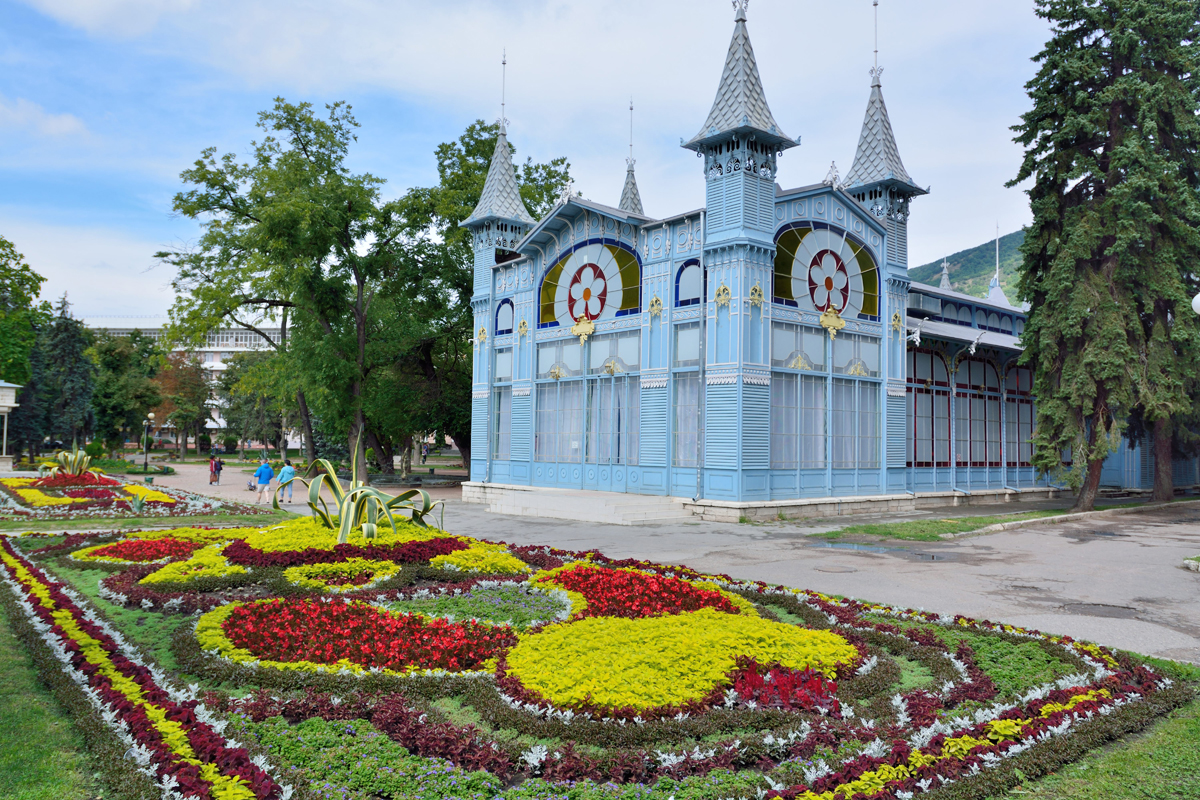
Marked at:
<point>591,286</point>
<point>827,272</point>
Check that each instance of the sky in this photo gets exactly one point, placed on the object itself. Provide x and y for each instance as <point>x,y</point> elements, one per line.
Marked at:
<point>103,103</point>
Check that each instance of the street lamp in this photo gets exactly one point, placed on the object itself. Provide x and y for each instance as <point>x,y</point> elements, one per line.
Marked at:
<point>146,443</point>
<point>1196,304</point>
<point>8,402</point>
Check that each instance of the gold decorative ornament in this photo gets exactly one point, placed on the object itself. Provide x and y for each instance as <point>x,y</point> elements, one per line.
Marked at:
<point>800,362</point>
<point>611,367</point>
<point>832,321</point>
<point>557,372</point>
<point>656,307</point>
<point>523,329</point>
<point>481,338</point>
<point>583,328</point>
<point>724,295</point>
<point>756,295</point>
<point>897,322</point>
<point>859,370</point>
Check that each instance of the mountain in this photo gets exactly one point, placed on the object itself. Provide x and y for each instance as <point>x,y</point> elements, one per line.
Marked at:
<point>971,270</point>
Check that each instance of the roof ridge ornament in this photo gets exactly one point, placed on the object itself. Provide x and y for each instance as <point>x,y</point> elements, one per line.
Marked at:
<point>740,7</point>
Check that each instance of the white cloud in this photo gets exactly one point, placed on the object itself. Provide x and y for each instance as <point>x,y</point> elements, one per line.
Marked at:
<point>122,18</point>
<point>28,116</point>
<point>103,271</point>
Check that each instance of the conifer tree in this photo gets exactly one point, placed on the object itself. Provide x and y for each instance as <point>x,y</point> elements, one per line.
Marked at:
<point>1112,199</point>
<point>69,377</point>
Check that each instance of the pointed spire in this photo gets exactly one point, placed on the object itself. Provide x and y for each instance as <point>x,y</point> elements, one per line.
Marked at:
<point>995,293</point>
<point>878,158</point>
<point>741,105</point>
<point>945,284</point>
<point>631,198</point>
<point>501,198</point>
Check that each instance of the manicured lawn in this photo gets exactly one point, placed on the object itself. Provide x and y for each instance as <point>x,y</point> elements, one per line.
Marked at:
<point>1161,764</point>
<point>41,755</point>
<point>931,530</point>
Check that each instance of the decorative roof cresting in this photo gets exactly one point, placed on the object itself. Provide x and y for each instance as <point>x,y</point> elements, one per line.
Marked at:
<point>878,158</point>
<point>741,104</point>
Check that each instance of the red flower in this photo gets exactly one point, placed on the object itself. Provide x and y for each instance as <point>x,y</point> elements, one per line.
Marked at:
<point>143,550</point>
<point>617,593</point>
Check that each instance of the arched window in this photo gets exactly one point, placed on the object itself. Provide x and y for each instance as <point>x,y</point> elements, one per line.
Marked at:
<point>993,321</point>
<point>1020,326</point>
<point>964,315</point>
<point>1018,413</point>
<point>976,414</point>
<point>1006,324</point>
<point>928,410</point>
<point>689,284</point>
<point>950,312</point>
<point>504,317</point>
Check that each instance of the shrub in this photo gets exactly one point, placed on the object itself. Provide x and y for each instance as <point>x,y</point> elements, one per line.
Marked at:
<point>231,444</point>
<point>94,449</point>
<point>204,443</point>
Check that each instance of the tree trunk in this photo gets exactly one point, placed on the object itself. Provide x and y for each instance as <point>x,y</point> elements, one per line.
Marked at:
<point>463,443</point>
<point>1086,499</point>
<point>406,459</point>
<point>310,447</point>
<point>1164,461</point>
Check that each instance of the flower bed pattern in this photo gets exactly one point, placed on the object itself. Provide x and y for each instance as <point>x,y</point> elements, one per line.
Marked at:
<point>642,679</point>
<point>172,739</point>
<point>65,497</point>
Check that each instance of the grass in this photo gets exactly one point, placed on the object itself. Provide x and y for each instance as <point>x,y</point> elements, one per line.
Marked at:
<point>130,523</point>
<point>1160,764</point>
<point>913,675</point>
<point>41,755</point>
<point>931,530</point>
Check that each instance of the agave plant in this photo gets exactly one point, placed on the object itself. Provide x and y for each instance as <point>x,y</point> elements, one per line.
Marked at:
<point>358,505</point>
<point>75,462</point>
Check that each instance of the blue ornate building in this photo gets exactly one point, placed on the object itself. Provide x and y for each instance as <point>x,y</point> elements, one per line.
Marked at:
<point>768,347</point>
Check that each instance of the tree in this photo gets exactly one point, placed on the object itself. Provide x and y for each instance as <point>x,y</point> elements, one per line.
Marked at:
<point>69,377</point>
<point>125,389</point>
<point>187,398</point>
<point>294,233</point>
<point>1110,201</point>
<point>438,361</point>
<point>21,315</point>
<point>27,424</point>
<point>251,404</point>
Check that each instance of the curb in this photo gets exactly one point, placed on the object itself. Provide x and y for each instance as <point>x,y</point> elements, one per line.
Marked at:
<point>1105,512</point>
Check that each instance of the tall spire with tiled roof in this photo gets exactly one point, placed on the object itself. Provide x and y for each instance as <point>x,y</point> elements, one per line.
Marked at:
<point>878,157</point>
<point>740,105</point>
<point>501,198</point>
<point>631,198</point>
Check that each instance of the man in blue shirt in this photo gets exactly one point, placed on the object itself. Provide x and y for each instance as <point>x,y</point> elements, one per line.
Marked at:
<point>264,474</point>
<point>286,476</point>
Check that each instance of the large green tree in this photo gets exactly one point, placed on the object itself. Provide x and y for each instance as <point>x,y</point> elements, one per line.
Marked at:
<point>254,390</point>
<point>125,388</point>
<point>21,314</point>
<point>186,398</point>
<point>68,377</point>
<point>1111,200</point>
<point>294,234</point>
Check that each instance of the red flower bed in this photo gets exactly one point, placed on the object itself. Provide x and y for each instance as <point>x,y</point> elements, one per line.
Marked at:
<point>90,494</point>
<point>779,687</point>
<point>408,553</point>
<point>327,632</point>
<point>616,593</point>
<point>143,550</point>
<point>69,481</point>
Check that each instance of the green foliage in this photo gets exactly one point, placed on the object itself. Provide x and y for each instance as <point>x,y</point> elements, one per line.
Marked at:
<point>514,604</point>
<point>932,530</point>
<point>68,377</point>
<point>187,395</point>
<point>971,270</point>
<point>1113,148</point>
<point>125,388</point>
<point>913,675</point>
<point>358,505</point>
<point>21,314</point>
<point>251,404</point>
<point>75,462</point>
<point>57,768</point>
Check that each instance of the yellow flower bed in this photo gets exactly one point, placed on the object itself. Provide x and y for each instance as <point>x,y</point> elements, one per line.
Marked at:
<point>662,661</point>
<point>489,559</point>
<point>195,534</point>
<point>205,563</point>
<point>317,576</point>
<point>148,494</point>
<point>309,534</point>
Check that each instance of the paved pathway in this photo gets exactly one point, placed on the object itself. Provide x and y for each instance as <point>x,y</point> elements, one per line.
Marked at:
<point>1116,580</point>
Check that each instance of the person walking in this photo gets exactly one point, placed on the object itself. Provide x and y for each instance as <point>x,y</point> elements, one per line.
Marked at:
<point>214,472</point>
<point>286,476</point>
<point>220,468</point>
<point>264,475</point>
<point>424,452</point>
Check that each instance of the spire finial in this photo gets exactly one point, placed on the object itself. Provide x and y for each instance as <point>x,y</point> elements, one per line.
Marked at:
<point>739,10</point>
<point>876,4</point>
<point>503,90</point>
<point>997,253</point>
<point>631,161</point>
